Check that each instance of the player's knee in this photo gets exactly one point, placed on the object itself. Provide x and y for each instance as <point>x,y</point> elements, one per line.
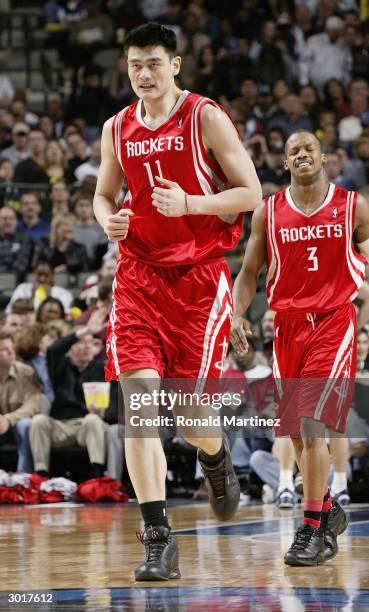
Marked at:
<point>312,431</point>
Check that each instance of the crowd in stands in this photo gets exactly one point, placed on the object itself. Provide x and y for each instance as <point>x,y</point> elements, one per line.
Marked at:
<point>276,66</point>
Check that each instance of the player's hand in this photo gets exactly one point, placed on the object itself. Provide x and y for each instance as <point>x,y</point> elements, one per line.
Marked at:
<point>169,201</point>
<point>239,332</point>
<point>117,225</point>
<point>4,424</point>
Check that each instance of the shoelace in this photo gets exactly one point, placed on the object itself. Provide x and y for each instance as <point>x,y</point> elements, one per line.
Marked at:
<point>302,537</point>
<point>217,478</point>
<point>154,548</point>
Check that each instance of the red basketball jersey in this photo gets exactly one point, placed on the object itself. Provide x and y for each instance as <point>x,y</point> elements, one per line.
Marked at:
<point>312,261</point>
<point>176,152</point>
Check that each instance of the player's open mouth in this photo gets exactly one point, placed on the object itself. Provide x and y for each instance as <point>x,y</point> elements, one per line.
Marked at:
<point>303,164</point>
<point>146,87</point>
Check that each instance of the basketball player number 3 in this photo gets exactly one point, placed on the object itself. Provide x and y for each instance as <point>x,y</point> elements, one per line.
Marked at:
<point>151,174</point>
<point>313,258</point>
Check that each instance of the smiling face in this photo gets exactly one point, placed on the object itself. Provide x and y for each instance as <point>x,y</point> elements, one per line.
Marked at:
<point>304,158</point>
<point>152,71</point>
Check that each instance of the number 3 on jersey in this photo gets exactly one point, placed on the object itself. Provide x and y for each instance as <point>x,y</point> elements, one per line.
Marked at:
<point>151,174</point>
<point>313,258</point>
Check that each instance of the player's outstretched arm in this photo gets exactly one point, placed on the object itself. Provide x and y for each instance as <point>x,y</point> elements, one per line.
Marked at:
<point>245,284</point>
<point>114,222</point>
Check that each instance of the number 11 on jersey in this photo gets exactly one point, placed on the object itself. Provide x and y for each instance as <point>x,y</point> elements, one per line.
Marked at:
<point>313,258</point>
<point>151,174</point>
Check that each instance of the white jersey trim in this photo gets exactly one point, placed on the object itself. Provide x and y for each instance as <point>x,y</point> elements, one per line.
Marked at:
<point>355,266</point>
<point>327,200</point>
<point>179,103</point>
<point>117,135</point>
<point>276,260</point>
<point>113,319</point>
<point>218,314</point>
<point>343,354</point>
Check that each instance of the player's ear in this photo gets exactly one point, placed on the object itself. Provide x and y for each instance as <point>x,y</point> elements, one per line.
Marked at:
<point>324,159</point>
<point>285,163</point>
<point>176,64</point>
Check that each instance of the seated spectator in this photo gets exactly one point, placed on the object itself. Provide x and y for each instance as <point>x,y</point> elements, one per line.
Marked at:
<point>15,248</point>
<point>9,193</point>
<point>59,197</point>
<point>333,168</point>
<point>62,252</point>
<point>311,104</point>
<point>89,293</point>
<point>336,99</point>
<point>19,150</point>
<point>90,167</point>
<point>361,149</point>
<point>102,304</point>
<point>90,33</point>
<point>31,170</point>
<point>352,169</point>
<point>92,102</point>
<point>77,150</point>
<point>25,310</point>
<point>20,400</point>
<point>46,126</point>
<point>274,171</point>
<point>293,117</point>
<point>70,363</point>
<point>31,346</point>
<point>49,310</point>
<point>264,111</point>
<point>55,164</point>
<point>31,224</point>
<point>10,323</point>
<point>326,56</point>
<point>88,232</point>
<point>40,288</point>
<point>351,127</point>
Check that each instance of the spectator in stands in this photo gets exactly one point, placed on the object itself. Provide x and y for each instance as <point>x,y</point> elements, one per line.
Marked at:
<point>326,56</point>
<point>333,168</point>
<point>59,197</point>
<point>88,232</point>
<point>46,125</point>
<point>9,193</point>
<point>274,171</point>
<point>15,248</point>
<point>62,252</point>
<point>92,102</point>
<point>102,304</point>
<point>50,310</point>
<point>31,224</point>
<point>293,118</point>
<point>41,287</point>
<point>55,164</point>
<point>24,308</point>
<point>7,90</point>
<point>20,400</point>
<point>70,363</point>
<point>311,104</point>
<point>264,111</point>
<point>77,151</point>
<point>31,170</point>
<point>10,323</point>
<point>90,33</point>
<point>92,165</point>
<point>336,99</point>
<point>361,149</point>
<point>19,150</point>
<point>362,351</point>
<point>31,346</point>
<point>350,127</point>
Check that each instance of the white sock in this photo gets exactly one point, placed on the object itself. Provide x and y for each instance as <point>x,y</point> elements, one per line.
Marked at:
<point>339,482</point>
<point>285,480</point>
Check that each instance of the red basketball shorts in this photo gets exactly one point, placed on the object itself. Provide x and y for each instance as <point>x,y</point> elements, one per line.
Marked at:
<point>175,320</point>
<point>314,368</point>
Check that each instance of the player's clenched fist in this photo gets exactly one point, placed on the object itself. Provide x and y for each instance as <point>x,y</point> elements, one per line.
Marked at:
<point>239,332</point>
<point>117,225</point>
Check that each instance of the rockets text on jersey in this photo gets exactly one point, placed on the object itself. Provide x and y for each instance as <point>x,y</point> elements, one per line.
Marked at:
<point>174,151</point>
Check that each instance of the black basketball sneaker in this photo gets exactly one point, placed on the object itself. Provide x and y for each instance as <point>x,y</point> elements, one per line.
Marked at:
<point>334,522</point>
<point>307,548</point>
<point>161,561</point>
<point>223,485</point>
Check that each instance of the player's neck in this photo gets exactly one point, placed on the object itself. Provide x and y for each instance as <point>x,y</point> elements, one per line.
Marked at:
<point>156,111</point>
<point>309,197</point>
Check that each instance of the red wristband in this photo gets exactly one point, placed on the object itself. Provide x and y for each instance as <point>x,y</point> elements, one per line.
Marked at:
<point>186,204</point>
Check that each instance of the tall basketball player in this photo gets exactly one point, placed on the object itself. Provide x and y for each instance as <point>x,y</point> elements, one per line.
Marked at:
<point>305,234</point>
<point>188,181</point>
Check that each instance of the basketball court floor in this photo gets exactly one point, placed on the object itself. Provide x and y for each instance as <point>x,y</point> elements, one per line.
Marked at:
<point>77,557</point>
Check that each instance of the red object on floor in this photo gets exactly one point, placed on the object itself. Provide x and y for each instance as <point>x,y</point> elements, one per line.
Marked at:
<point>101,490</point>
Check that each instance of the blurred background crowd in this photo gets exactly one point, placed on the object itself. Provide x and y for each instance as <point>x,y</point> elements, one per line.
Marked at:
<point>277,66</point>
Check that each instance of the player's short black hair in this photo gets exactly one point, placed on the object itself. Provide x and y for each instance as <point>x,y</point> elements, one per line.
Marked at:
<point>150,35</point>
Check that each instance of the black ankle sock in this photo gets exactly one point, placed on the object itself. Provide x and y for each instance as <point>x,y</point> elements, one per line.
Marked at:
<point>42,473</point>
<point>154,513</point>
<point>212,459</point>
<point>311,514</point>
<point>96,470</point>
